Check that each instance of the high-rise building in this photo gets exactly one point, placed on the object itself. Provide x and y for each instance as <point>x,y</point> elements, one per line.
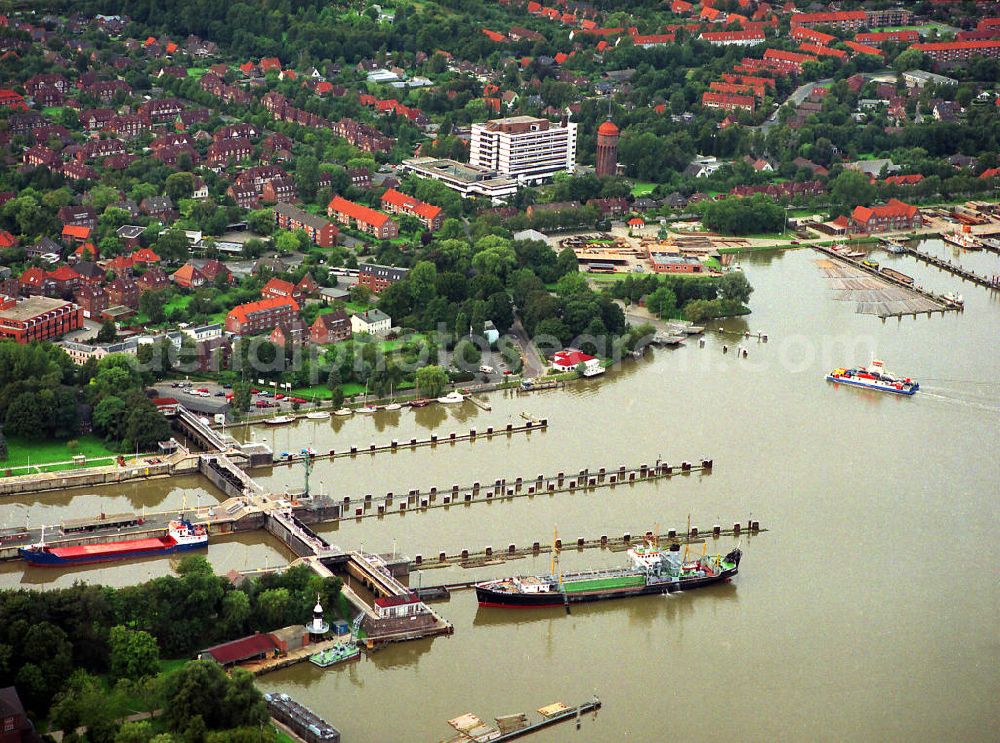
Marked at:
<point>606,159</point>
<point>524,147</point>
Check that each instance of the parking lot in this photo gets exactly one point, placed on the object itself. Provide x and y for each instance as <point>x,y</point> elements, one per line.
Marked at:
<point>212,397</point>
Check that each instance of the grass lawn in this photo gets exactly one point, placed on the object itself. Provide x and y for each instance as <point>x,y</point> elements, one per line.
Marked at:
<point>22,451</point>
<point>196,72</point>
<point>356,308</point>
<point>283,737</point>
<point>53,111</point>
<point>642,189</point>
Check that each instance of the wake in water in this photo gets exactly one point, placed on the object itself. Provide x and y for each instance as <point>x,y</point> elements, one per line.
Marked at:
<point>929,392</point>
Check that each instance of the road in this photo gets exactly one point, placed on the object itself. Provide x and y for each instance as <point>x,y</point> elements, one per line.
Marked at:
<point>800,94</point>
<point>534,366</point>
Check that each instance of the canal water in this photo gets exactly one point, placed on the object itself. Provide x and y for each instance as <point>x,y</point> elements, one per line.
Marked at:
<point>867,610</point>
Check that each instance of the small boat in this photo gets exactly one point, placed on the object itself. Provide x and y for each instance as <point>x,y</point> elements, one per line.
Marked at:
<point>181,536</point>
<point>955,298</point>
<point>961,240</point>
<point>318,415</point>
<point>279,420</point>
<point>393,405</point>
<point>343,411</point>
<point>337,654</point>
<point>422,403</point>
<point>451,398</point>
<point>366,409</point>
<point>874,378</point>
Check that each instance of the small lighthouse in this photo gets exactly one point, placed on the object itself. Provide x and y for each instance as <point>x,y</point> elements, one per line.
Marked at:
<point>317,628</point>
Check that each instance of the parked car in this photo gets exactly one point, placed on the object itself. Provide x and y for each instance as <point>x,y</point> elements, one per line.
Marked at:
<point>299,400</point>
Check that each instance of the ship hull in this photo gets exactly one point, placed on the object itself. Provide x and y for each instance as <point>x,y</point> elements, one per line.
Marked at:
<point>506,600</point>
<point>865,385</point>
<point>64,557</point>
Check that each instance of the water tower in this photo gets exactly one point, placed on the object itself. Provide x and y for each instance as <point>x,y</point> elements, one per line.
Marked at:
<point>606,159</point>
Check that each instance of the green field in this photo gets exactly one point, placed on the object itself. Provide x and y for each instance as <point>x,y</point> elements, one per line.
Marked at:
<point>642,189</point>
<point>196,72</point>
<point>22,452</point>
<point>53,111</point>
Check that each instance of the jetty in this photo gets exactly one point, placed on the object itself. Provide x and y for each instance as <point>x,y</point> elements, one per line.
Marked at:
<point>990,282</point>
<point>509,727</point>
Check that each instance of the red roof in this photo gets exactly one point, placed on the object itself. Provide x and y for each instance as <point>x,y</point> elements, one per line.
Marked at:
<point>278,287</point>
<point>243,649</point>
<point>904,180</point>
<point>834,17</point>
<point>145,255</point>
<point>241,311</point>
<point>75,231</point>
<point>6,239</point>
<point>822,51</point>
<point>387,601</point>
<point>608,129</point>
<point>270,63</point>
<point>877,37</point>
<point>87,248</point>
<point>33,276</point>
<point>494,36</point>
<point>945,46</point>
<point>863,48</point>
<point>991,173</point>
<point>571,358</point>
<point>780,54</point>
<point>63,273</point>
<point>801,32</point>
<point>340,205</point>
<point>893,209</point>
<point>733,36</point>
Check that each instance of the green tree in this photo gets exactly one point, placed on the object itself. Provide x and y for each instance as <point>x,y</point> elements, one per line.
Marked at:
<point>734,287</point>
<point>3,446</point>
<point>179,186</point>
<point>172,245</point>
<point>273,605</point>
<point>852,188</point>
<point>24,417</point>
<point>431,380</point>
<point>467,355</point>
<point>108,332</point>
<point>241,396</point>
<point>153,305</point>
<point>662,302</point>
<point>109,417</point>
<point>134,653</point>
<point>137,731</point>
<point>235,612</point>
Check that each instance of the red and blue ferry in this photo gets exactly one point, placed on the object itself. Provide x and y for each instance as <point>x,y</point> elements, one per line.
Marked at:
<point>874,378</point>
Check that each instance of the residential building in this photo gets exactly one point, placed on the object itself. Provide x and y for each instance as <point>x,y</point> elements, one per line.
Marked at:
<point>289,334</point>
<point>727,102</point>
<point>279,190</point>
<point>330,328</point>
<point>951,53</point>
<point>80,216</point>
<point>892,216</point>
<point>38,318</point>
<point>321,231</point>
<point>733,38</point>
<point>362,218</point>
<point>846,20</point>
<point>15,727</point>
<point>396,202</point>
<point>524,147</point>
<point>92,298</point>
<point>377,277</point>
<point>188,276</point>
<point>203,332</point>
<point>261,316</point>
<point>570,360</point>
<point>372,322</point>
<point>280,289</point>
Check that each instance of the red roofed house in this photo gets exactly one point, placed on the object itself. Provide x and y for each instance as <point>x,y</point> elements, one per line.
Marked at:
<point>267,64</point>
<point>145,255</point>
<point>946,54</point>
<point>882,37</point>
<point>261,316</point>
<point>570,359</point>
<point>904,180</point>
<point>727,102</point>
<point>321,231</point>
<point>7,240</point>
<point>863,48</point>
<point>850,19</point>
<point>889,217</point>
<point>365,219</point>
<point>395,202</point>
<point>281,289</point>
<point>75,233</point>
<point>822,51</point>
<point>733,38</point>
<point>188,276</point>
<point>787,61</point>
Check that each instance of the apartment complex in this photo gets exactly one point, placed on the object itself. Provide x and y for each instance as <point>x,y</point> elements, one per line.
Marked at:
<point>524,147</point>
<point>321,231</point>
<point>396,202</point>
<point>377,277</point>
<point>261,316</point>
<point>465,178</point>
<point>38,319</point>
<point>948,53</point>
<point>892,216</point>
<point>363,218</point>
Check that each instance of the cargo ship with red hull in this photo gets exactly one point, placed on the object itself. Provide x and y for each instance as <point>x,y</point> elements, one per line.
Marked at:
<point>181,536</point>
<point>652,571</point>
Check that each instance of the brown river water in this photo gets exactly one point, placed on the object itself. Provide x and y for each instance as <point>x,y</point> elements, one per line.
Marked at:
<point>868,610</point>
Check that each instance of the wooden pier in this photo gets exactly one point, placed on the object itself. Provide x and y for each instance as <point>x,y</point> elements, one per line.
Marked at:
<point>490,556</point>
<point>502,489</point>
<point>953,268</point>
<point>875,292</point>
<point>394,445</point>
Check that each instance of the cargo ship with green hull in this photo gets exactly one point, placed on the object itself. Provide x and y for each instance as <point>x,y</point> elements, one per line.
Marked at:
<point>651,570</point>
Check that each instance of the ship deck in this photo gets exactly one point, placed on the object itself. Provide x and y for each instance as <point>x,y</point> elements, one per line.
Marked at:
<point>112,548</point>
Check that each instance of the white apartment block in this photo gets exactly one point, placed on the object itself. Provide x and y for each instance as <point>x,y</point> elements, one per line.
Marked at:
<point>524,147</point>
